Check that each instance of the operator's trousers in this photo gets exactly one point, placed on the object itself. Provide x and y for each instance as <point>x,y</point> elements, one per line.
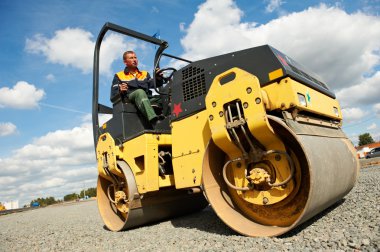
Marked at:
<point>144,104</point>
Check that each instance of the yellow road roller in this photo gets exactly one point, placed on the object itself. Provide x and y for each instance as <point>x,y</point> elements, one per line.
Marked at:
<point>250,133</point>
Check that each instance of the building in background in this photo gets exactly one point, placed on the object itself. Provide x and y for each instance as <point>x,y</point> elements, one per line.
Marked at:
<point>363,150</point>
<point>11,205</point>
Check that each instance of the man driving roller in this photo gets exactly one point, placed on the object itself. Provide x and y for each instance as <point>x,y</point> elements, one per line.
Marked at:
<point>134,85</point>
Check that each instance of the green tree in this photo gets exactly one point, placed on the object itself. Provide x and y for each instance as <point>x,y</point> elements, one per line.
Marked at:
<point>365,138</point>
<point>71,197</point>
<point>44,201</point>
<point>50,200</point>
<point>90,192</point>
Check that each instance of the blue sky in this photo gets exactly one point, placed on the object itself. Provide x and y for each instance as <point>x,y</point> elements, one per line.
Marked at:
<point>46,51</point>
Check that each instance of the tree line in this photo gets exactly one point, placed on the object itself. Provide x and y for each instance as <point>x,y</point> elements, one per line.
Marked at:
<point>90,192</point>
<point>365,138</point>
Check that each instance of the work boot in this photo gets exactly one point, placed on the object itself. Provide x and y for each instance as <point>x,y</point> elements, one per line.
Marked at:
<point>156,120</point>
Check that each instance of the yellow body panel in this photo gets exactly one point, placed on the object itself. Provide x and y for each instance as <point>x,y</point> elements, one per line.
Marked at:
<point>275,74</point>
<point>283,95</point>
<point>165,181</point>
<point>190,137</point>
<point>106,156</point>
<point>245,88</point>
<point>145,148</point>
<point>141,154</point>
<point>255,112</point>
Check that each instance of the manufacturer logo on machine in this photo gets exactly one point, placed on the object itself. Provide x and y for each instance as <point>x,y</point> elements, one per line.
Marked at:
<point>177,109</point>
<point>283,61</point>
<point>308,97</point>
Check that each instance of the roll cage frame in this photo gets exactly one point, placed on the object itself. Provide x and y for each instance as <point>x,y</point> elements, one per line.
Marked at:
<point>100,108</point>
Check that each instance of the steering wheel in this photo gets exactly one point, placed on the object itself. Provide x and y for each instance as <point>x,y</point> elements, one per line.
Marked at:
<point>166,79</point>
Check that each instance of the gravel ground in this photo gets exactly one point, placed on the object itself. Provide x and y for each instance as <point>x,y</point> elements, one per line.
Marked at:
<point>352,224</point>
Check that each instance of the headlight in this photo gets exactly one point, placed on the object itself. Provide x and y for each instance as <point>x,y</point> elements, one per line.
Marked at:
<point>302,99</point>
<point>336,111</point>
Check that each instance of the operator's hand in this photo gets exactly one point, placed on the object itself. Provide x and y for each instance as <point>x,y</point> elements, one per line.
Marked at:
<point>123,87</point>
<point>159,76</point>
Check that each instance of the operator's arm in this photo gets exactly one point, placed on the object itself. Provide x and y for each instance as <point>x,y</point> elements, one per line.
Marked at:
<point>159,80</point>
<point>117,88</point>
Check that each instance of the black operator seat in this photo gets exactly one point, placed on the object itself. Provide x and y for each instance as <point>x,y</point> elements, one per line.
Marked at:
<point>128,122</point>
<point>122,105</point>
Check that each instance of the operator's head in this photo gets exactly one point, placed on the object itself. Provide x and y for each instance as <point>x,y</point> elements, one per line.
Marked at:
<point>130,59</point>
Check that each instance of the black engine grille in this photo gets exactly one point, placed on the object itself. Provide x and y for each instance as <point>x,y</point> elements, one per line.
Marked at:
<point>193,83</point>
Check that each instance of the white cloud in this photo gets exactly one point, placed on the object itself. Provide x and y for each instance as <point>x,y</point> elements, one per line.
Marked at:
<point>104,118</point>
<point>353,114</point>
<point>75,47</point>
<point>211,24</point>
<point>7,129</point>
<point>325,39</point>
<point>76,138</point>
<point>35,186</point>
<point>113,47</point>
<point>22,96</point>
<point>340,47</point>
<point>32,151</point>
<point>50,77</point>
<point>182,26</point>
<point>366,92</point>
<point>87,118</point>
<point>71,46</point>
<point>273,5</point>
<point>55,164</point>
<point>5,180</point>
<point>376,108</point>
<point>372,126</point>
